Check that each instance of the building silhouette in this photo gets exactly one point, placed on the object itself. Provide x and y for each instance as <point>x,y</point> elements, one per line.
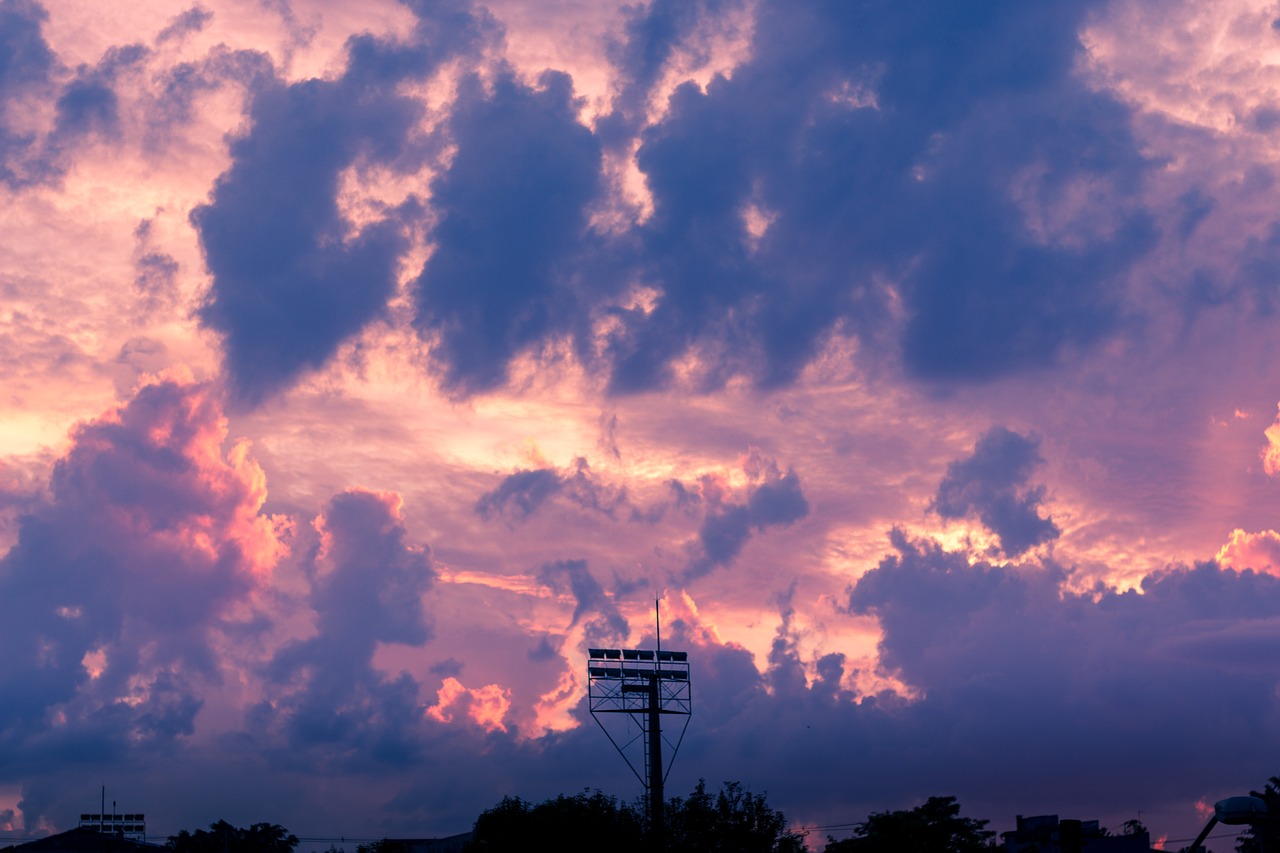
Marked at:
<point>1048,834</point>
<point>83,839</point>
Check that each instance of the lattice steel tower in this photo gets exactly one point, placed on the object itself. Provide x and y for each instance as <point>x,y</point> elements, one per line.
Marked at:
<point>639,686</point>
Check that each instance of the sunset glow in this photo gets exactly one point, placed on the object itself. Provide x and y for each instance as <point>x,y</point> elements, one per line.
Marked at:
<point>365,364</point>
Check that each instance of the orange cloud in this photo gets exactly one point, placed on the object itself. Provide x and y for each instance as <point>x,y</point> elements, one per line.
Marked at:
<point>1271,453</point>
<point>487,706</point>
<point>1258,551</point>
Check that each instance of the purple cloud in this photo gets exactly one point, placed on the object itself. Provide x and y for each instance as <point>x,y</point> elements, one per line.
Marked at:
<point>512,210</point>
<point>27,66</point>
<point>992,483</point>
<point>908,181</point>
<point>122,582</point>
<point>522,492</point>
<point>776,499</point>
<point>1016,671</point>
<point>290,284</point>
<point>835,108</point>
<point>88,104</point>
<point>608,627</point>
<point>184,24</point>
<point>367,585</point>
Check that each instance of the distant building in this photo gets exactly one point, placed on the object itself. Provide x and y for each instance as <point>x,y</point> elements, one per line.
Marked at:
<point>451,844</point>
<point>1047,834</point>
<point>83,840</point>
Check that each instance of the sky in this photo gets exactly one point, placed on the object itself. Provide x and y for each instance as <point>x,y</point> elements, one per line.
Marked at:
<point>363,365</point>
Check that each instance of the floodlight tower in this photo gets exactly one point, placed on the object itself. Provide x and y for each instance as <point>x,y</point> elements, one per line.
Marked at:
<point>640,685</point>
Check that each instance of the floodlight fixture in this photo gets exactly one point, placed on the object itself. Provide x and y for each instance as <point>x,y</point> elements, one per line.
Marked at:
<point>1233,811</point>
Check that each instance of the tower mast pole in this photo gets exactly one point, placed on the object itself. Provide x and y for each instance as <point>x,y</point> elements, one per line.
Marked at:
<point>657,817</point>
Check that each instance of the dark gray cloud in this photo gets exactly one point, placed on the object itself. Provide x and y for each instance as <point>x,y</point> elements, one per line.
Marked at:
<point>290,282</point>
<point>908,176</point>
<point>88,104</point>
<point>992,484</point>
<point>287,287</point>
<point>155,272</point>
<point>608,627</point>
<point>933,150</point>
<point>512,210</point>
<point>776,500</point>
<point>884,142</point>
<point>367,585</point>
<point>651,36</point>
<point>523,492</point>
<point>26,59</point>
<point>185,23</point>
<point>27,67</point>
<point>520,493</point>
<point>1023,674</point>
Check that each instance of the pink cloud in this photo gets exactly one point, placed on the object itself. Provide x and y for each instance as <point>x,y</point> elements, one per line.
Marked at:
<point>1258,551</point>
<point>152,474</point>
<point>486,706</point>
<point>148,550</point>
<point>1271,453</point>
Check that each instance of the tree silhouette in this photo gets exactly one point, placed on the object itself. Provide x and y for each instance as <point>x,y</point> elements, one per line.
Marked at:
<point>733,820</point>
<point>222,837</point>
<point>584,822</point>
<point>1133,827</point>
<point>934,827</point>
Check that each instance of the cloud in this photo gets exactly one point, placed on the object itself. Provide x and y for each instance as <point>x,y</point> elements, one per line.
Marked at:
<point>84,108</point>
<point>523,492</point>
<point>1258,551</point>
<point>512,210</point>
<point>1010,664</point>
<point>292,278</point>
<point>991,483</point>
<point>1257,271</point>
<point>113,600</point>
<point>609,627</point>
<point>88,104</point>
<point>520,493</point>
<point>184,24</point>
<point>288,285</point>
<point>367,585</point>
<point>1004,215</point>
<point>651,37</point>
<point>26,72</point>
<point>486,706</point>
<point>155,276</point>
<point>773,499</point>
<point>1271,453</point>
<point>172,105</point>
<point>950,178</point>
